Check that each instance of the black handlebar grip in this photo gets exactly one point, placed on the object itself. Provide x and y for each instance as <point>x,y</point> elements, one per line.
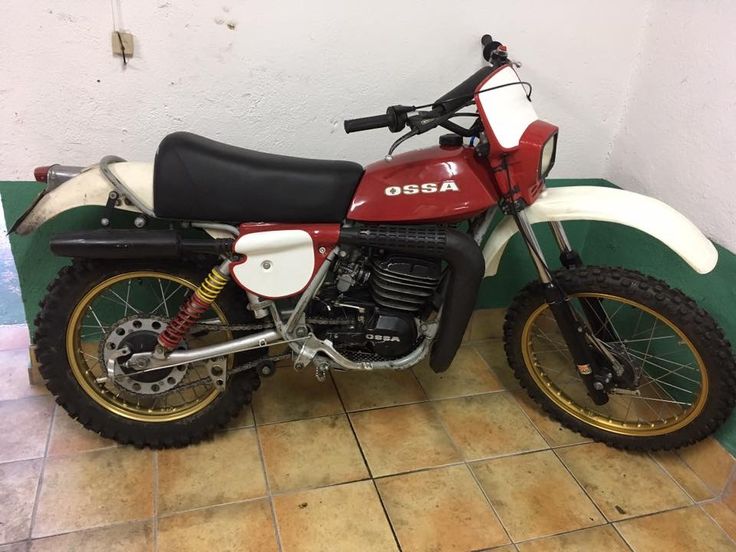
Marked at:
<point>366,123</point>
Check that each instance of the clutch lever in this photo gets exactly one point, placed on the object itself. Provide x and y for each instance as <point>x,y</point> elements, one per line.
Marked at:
<point>420,124</point>
<point>397,143</point>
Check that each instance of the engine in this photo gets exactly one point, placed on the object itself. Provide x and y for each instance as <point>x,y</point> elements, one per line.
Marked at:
<point>377,303</point>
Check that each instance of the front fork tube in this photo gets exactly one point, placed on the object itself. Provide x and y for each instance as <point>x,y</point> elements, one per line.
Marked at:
<point>572,330</point>
<point>592,307</point>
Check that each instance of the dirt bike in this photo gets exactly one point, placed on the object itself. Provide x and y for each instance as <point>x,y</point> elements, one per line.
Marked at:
<point>158,333</point>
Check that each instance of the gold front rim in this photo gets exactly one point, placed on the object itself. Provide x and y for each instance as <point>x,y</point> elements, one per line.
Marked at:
<point>85,374</point>
<point>572,399</point>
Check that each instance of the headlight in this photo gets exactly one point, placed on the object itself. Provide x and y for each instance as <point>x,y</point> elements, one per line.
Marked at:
<point>548,157</point>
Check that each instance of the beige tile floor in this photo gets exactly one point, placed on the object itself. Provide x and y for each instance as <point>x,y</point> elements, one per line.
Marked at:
<point>410,461</point>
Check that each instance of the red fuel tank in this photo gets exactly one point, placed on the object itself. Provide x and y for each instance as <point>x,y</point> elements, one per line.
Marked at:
<point>430,185</point>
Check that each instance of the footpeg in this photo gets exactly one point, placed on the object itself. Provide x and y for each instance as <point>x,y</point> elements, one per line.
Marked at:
<point>267,368</point>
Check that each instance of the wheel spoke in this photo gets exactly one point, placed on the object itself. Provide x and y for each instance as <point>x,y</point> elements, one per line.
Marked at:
<point>107,315</point>
<point>165,300</point>
<point>122,302</point>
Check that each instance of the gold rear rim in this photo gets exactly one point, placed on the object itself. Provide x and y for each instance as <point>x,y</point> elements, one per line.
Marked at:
<point>673,386</point>
<point>98,312</point>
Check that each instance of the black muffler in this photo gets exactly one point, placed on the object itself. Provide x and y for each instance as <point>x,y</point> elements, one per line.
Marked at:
<point>133,244</point>
<point>467,268</point>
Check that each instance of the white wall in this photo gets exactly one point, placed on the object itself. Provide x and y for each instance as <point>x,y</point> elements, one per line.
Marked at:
<point>290,71</point>
<point>677,139</point>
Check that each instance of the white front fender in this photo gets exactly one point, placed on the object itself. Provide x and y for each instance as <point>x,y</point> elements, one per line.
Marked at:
<point>91,188</point>
<point>610,205</point>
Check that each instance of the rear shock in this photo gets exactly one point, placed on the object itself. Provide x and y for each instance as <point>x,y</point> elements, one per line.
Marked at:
<point>197,304</point>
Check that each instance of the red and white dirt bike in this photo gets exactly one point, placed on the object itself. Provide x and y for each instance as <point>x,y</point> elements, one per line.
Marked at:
<point>144,339</point>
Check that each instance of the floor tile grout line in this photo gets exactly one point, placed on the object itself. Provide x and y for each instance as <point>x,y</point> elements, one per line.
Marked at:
<point>39,483</point>
<point>580,484</point>
<point>352,429</point>
<point>386,515</point>
<point>680,486</point>
<point>408,370</point>
<point>46,396</point>
<point>137,521</point>
<point>85,451</point>
<point>563,533</point>
<point>21,459</point>
<point>625,520</point>
<point>620,534</point>
<point>277,494</point>
<point>368,409</point>
<point>154,529</point>
<point>730,480</point>
<point>11,543</point>
<point>518,404</point>
<point>274,518</point>
<point>365,462</point>
<point>173,513</point>
<point>472,474</point>
<point>490,503</point>
<point>261,424</point>
<point>442,423</point>
<point>714,520</point>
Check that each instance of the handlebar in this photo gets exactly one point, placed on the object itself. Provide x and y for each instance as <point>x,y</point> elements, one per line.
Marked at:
<point>366,123</point>
<point>396,117</point>
<point>395,120</point>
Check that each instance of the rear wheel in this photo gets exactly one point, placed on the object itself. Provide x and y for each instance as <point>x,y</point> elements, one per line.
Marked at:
<point>94,309</point>
<point>674,377</point>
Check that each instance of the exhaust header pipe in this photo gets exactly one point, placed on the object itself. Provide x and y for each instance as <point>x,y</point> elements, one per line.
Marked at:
<point>467,268</point>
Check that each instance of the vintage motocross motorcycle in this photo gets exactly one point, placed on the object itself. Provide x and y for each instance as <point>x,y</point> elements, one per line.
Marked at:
<point>158,333</point>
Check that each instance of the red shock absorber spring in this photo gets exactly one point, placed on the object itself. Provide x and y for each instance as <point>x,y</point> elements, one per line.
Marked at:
<point>192,310</point>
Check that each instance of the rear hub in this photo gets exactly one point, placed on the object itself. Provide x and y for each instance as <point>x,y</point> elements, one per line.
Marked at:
<point>140,335</point>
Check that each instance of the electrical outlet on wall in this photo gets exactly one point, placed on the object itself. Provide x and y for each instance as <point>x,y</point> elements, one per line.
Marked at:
<point>122,40</point>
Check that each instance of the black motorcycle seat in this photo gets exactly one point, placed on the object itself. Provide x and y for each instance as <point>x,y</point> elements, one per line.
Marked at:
<point>195,178</point>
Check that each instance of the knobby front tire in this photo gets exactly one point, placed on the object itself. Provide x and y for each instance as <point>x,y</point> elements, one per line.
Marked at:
<point>687,385</point>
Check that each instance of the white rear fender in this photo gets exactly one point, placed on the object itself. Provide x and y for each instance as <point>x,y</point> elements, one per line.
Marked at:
<point>91,188</point>
<point>610,205</point>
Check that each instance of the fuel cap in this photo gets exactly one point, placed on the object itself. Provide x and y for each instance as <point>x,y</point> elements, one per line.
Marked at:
<point>451,141</point>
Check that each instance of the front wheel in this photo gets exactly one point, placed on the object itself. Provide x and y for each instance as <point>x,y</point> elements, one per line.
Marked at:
<point>675,381</point>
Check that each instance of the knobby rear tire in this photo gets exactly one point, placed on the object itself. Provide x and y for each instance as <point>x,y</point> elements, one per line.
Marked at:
<point>70,285</point>
<point>674,305</point>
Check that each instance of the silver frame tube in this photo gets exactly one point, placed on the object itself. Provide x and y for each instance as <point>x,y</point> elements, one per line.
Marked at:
<point>308,294</point>
<point>253,341</point>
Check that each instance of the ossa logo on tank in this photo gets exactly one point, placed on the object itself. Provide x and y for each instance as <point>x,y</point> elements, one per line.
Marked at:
<point>426,188</point>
